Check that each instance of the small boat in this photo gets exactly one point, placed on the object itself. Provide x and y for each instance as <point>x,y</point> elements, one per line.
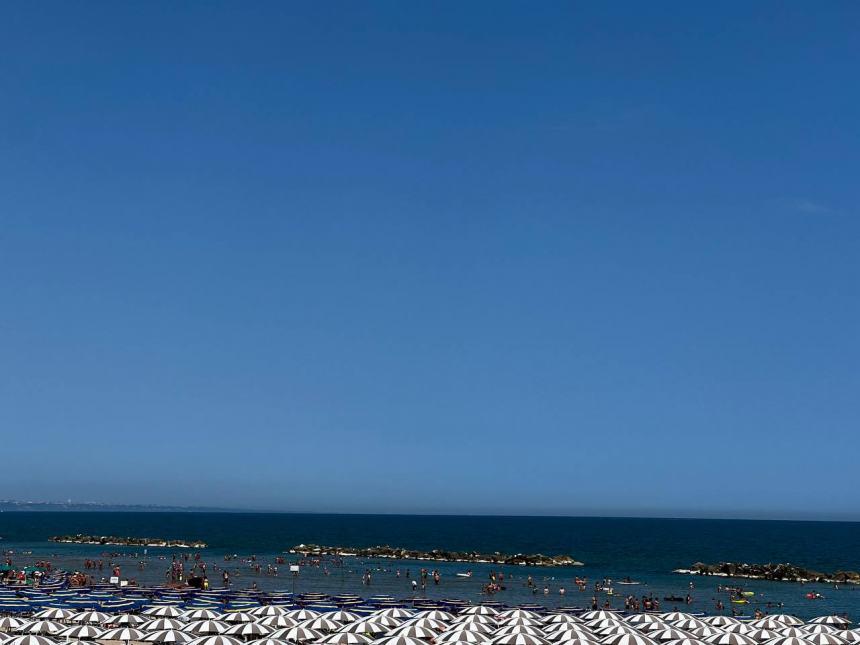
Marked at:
<point>468,574</point>
<point>741,601</point>
<point>628,582</point>
<point>748,593</point>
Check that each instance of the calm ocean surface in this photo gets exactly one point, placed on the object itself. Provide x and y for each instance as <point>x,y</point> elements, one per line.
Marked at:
<point>647,550</point>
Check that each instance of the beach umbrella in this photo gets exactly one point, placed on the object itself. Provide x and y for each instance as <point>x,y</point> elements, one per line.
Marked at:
<point>200,614</point>
<point>826,639</point>
<point>296,634</point>
<point>787,619</point>
<point>81,632</point>
<point>428,623</point>
<point>613,630</point>
<point>686,641</point>
<point>728,638</point>
<point>395,612</point>
<point>31,639</point>
<point>520,620</point>
<point>10,623</point>
<point>249,630</point>
<point>561,627</point>
<point>5,637</point>
<point>303,614</point>
<point>206,627</point>
<point>369,626</point>
<point>478,628</point>
<point>415,631</point>
<point>237,617</point>
<point>675,616</point>
<point>581,639</point>
<point>832,619</point>
<point>555,619</point>
<point>388,621</point>
<point>705,632</point>
<point>653,627</point>
<point>627,639</point>
<point>520,639</point>
<point>518,613</point>
<point>321,624</point>
<point>277,622</point>
<point>463,636</point>
<point>267,641</point>
<point>478,610</point>
<point>792,632</point>
<point>48,627</point>
<point>168,636</point>
<point>737,628</point>
<point>517,629</point>
<point>600,623</point>
<point>688,623</point>
<point>565,635</point>
<point>668,634</point>
<point>219,639</point>
<point>637,619</point>
<point>128,620</point>
<point>721,621</point>
<point>483,619</point>
<point>819,628</point>
<point>762,635</point>
<point>163,611</point>
<point>126,634</point>
<point>54,613</point>
<point>788,640</point>
<point>346,638</point>
<point>159,624</point>
<point>92,618</point>
<point>268,610</point>
<point>850,636</point>
<point>344,617</point>
<point>435,614</point>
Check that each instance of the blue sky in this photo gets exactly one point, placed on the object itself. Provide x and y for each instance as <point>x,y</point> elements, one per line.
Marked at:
<point>432,257</point>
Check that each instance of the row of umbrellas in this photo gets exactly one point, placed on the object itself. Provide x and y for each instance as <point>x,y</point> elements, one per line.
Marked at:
<point>472,625</point>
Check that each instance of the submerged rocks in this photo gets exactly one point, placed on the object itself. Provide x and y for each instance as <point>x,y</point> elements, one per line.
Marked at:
<point>779,571</point>
<point>112,540</point>
<point>438,555</point>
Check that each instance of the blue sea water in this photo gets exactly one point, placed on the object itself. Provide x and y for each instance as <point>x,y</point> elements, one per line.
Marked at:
<point>647,550</point>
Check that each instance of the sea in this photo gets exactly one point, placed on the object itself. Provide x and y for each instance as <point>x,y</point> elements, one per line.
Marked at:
<point>646,551</point>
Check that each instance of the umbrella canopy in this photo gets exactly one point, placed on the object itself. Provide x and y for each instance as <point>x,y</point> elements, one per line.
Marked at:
<point>675,616</point>
<point>268,641</point>
<point>788,640</point>
<point>249,630</point>
<point>762,635</point>
<point>669,634</point>
<point>600,614</point>
<point>297,634</point>
<point>721,621</point>
<point>346,638</point>
<point>706,632</point>
<point>553,619</point>
<point>206,627</point>
<point>220,639</point>
<point>395,612</point>
<point>200,614</point>
<point>819,628</point>
<point>277,622</point>
<point>54,613</point>
<point>30,639</point>
<point>463,636</point>
<point>517,629</point>
<point>567,635</point>
<point>788,619</point>
<point>518,613</point>
<point>627,639</point>
<point>163,611</point>
<point>122,634</point>
<point>728,638</point>
<point>268,610</point>
<point>478,610</point>
<point>128,620</point>
<point>369,626</point>
<point>483,619</point>
<point>850,636</point>
<point>168,636</point>
<point>792,632</point>
<point>92,618</point>
<point>688,623</point>
<point>234,617</point>
<point>300,615</point>
<point>686,641</point>
<point>825,639</point>
<point>415,631</point>
<point>81,632</point>
<point>321,624</point>
<point>47,627</point>
<point>520,639</point>
<point>635,619</point>
<point>832,619</point>
<point>159,624</point>
<point>10,623</point>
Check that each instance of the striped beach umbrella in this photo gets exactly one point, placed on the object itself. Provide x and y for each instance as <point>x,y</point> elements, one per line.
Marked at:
<point>792,632</point>
<point>627,639</point>
<point>647,628</point>
<point>567,635</point>
<point>81,632</point>
<point>11,623</point>
<point>483,619</point>
<point>788,640</point>
<point>395,612</point>
<point>637,619</point>
<point>163,611</point>
<point>688,623</point>
<point>206,627</point>
<point>235,617</point>
<point>268,610</point>
<point>92,618</point>
<point>159,624</point>
<point>826,639</point>
<point>268,641</point>
<point>686,641</point>
<point>54,613</point>
<point>463,636</point>
<point>561,627</point>
<point>819,628</point>
<point>346,638</point>
<point>220,639</point>
<point>200,614</point>
<point>675,616</point>
<point>850,636</point>
<point>296,634</point>
<point>415,631</point>
<point>31,639</point>
<point>45,627</point>
<point>614,630</point>
<point>321,624</point>
<point>300,615</point>
<point>763,635</point>
<point>517,629</point>
<point>668,634</point>
<point>277,622</point>
<point>832,619</point>
<point>721,621</point>
<point>520,639</point>
<point>705,631</point>
<point>367,627</point>
<point>728,638</point>
<point>428,623</point>
<point>581,639</point>
<point>478,610</point>
<point>168,636</point>
<point>126,634</point>
<point>249,631</point>
<point>128,620</point>
<point>518,613</point>
<point>788,619</point>
<point>479,628</point>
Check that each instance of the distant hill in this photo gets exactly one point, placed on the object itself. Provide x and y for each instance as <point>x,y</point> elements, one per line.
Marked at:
<point>12,505</point>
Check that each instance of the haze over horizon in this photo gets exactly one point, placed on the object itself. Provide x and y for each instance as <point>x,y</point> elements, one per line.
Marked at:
<point>491,258</point>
